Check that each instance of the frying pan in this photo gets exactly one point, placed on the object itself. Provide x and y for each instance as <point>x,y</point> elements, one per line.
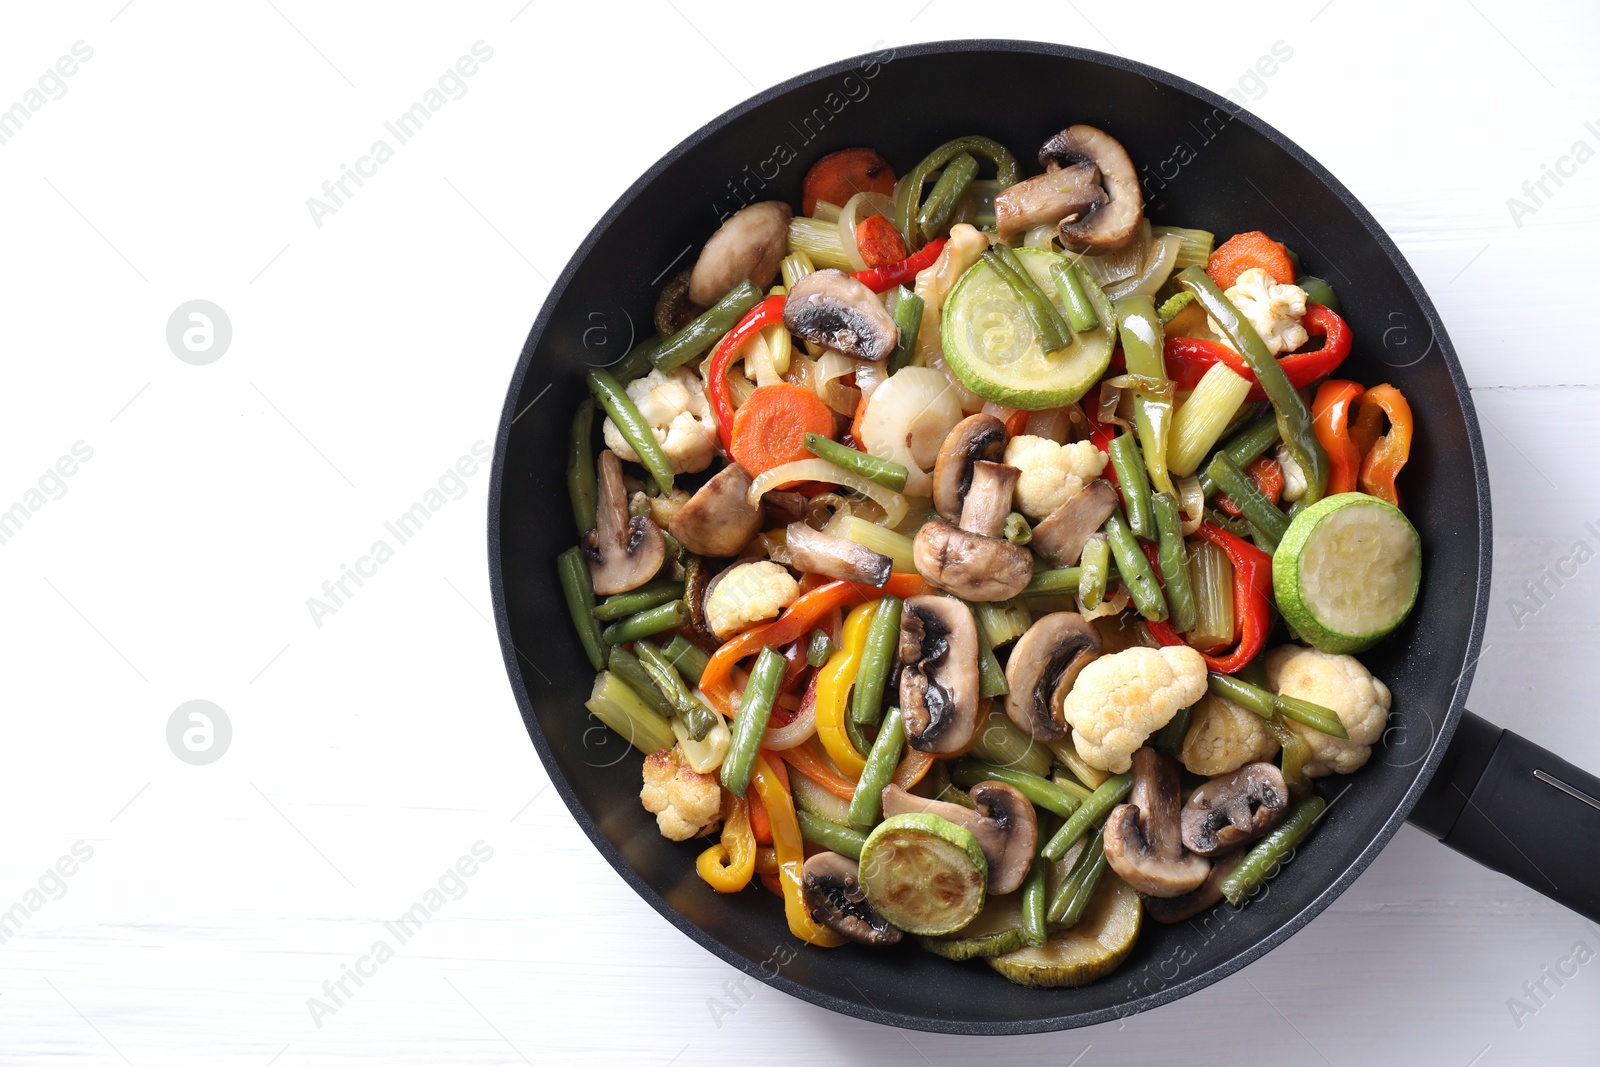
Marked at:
<point>1487,792</point>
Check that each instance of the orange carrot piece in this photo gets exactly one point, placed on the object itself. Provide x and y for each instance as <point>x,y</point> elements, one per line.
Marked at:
<point>838,176</point>
<point>770,428</point>
<point>879,242</point>
<point>1243,251</point>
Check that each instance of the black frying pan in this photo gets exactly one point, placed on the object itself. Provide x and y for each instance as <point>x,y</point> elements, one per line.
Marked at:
<point>1487,792</point>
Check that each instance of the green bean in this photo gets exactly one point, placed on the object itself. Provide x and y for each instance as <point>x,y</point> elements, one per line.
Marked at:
<point>636,364</point>
<point>1308,714</point>
<point>650,595</point>
<point>1247,496</point>
<point>755,708</point>
<point>1052,330</point>
<point>819,648</point>
<point>1169,738</point>
<point>1074,894</point>
<point>1016,530</point>
<point>1174,556</point>
<point>1081,315</point>
<point>886,472</point>
<point>696,716</point>
<point>1264,541</point>
<point>1041,792</point>
<point>1293,756</point>
<point>1264,703</point>
<point>1244,446</point>
<point>582,481</point>
<point>1125,460</point>
<point>1035,902</point>
<point>946,195</point>
<point>1093,566</point>
<point>1240,692</point>
<point>1091,813</point>
<point>1294,417</point>
<point>689,658</point>
<point>1135,569</point>
<point>706,328</point>
<point>1272,851</point>
<point>1175,303</point>
<point>647,623</point>
<point>833,836</point>
<point>866,807</point>
<point>906,307</point>
<point>909,196</point>
<point>857,732</point>
<point>578,588</point>
<point>626,665</point>
<point>877,659</point>
<point>634,429</point>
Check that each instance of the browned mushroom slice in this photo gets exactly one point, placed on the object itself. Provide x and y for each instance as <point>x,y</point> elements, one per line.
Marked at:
<point>836,557</point>
<point>831,885</point>
<point>718,520</point>
<point>1003,822</point>
<point>1060,537</point>
<point>975,437</point>
<point>971,560</point>
<point>1108,224</point>
<point>674,309</point>
<point>832,308</point>
<point>1047,199</point>
<point>1144,843</point>
<point>623,553</point>
<point>1042,668</point>
<point>748,247</point>
<point>1187,905</point>
<point>938,654</point>
<point>1234,809</point>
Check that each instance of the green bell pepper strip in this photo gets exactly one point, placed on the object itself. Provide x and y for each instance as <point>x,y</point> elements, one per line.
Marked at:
<point>1142,339</point>
<point>908,198</point>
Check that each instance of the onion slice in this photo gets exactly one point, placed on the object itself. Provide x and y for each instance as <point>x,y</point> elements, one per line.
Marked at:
<point>820,470</point>
<point>797,731</point>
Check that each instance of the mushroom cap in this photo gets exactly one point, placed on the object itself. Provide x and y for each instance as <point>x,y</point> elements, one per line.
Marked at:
<point>749,246</point>
<point>1042,668</point>
<point>831,885</point>
<point>832,308</point>
<point>1143,841</point>
<point>980,436</point>
<point>1187,905</point>
<point>938,653</point>
<point>623,552</point>
<point>1004,824</point>
<point>1060,536</point>
<point>1111,223</point>
<point>1046,199</point>
<point>719,519</point>
<point>971,566</point>
<point>1231,810</point>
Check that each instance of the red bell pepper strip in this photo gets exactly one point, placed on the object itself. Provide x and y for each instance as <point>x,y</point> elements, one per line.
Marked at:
<point>882,279</point>
<point>1188,358</point>
<point>1330,413</point>
<point>1268,476</point>
<point>758,318</point>
<point>1101,435</point>
<point>1389,454</point>
<point>1252,602</point>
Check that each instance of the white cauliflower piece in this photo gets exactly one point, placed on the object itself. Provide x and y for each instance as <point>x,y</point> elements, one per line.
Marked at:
<point>1294,479</point>
<point>1119,700</point>
<point>1052,474</point>
<point>1274,310</point>
<point>685,803</point>
<point>747,594</point>
<point>1223,737</point>
<point>1342,685</point>
<point>674,404</point>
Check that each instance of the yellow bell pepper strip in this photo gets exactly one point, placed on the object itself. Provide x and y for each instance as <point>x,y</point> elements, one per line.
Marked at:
<point>834,681</point>
<point>728,865</point>
<point>1382,464</point>
<point>790,847</point>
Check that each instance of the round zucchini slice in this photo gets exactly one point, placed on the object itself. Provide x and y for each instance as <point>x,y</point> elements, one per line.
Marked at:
<point>924,874</point>
<point>1086,952</point>
<point>996,930</point>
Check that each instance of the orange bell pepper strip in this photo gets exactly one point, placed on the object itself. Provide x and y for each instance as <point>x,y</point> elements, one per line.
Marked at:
<point>834,680</point>
<point>790,848</point>
<point>806,762</point>
<point>797,620</point>
<point>1382,464</point>
<point>728,865</point>
<point>912,768</point>
<point>1330,413</point>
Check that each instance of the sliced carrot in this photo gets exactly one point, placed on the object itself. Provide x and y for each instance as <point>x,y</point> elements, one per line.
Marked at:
<point>1243,251</point>
<point>879,242</point>
<point>760,825</point>
<point>1016,422</point>
<point>855,423</point>
<point>838,176</point>
<point>770,428</point>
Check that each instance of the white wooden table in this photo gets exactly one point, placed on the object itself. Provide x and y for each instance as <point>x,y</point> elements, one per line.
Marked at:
<point>375,745</point>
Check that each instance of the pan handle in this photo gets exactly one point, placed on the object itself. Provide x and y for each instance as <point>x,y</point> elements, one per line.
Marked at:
<point>1518,809</point>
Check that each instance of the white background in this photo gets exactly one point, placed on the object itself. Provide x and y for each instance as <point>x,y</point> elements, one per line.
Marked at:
<point>372,352</point>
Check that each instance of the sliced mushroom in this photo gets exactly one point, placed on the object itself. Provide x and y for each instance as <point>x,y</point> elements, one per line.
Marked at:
<point>836,557</point>
<point>1060,537</point>
<point>989,500</point>
<point>623,552</point>
<point>938,655</point>
<point>1047,199</point>
<point>1004,824</point>
<point>832,308</point>
<point>1234,809</point>
<point>698,574</point>
<point>1108,224</point>
<point>975,437</point>
<point>674,309</point>
<point>970,560</point>
<point>748,247</point>
<point>1042,668</point>
<point>718,520</point>
<point>1188,905</point>
<point>1144,844</point>
<point>831,884</point>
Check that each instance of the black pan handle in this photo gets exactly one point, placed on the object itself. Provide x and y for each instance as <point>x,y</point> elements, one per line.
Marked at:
<point>1518,809</point>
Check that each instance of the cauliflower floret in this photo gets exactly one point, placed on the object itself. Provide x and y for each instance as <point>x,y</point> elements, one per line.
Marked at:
<point>1223,737</point>
<point>747,594</point>
<point>686,804</point>
<point>674,404</point>
<point>1052,474</point>
<point>1274,310</point>
<point>1120,700</point>
<point>1294,479</point>
<point>1342,685</point>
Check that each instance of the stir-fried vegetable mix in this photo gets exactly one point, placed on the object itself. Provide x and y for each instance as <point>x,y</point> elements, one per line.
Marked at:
<point>974,560</point>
